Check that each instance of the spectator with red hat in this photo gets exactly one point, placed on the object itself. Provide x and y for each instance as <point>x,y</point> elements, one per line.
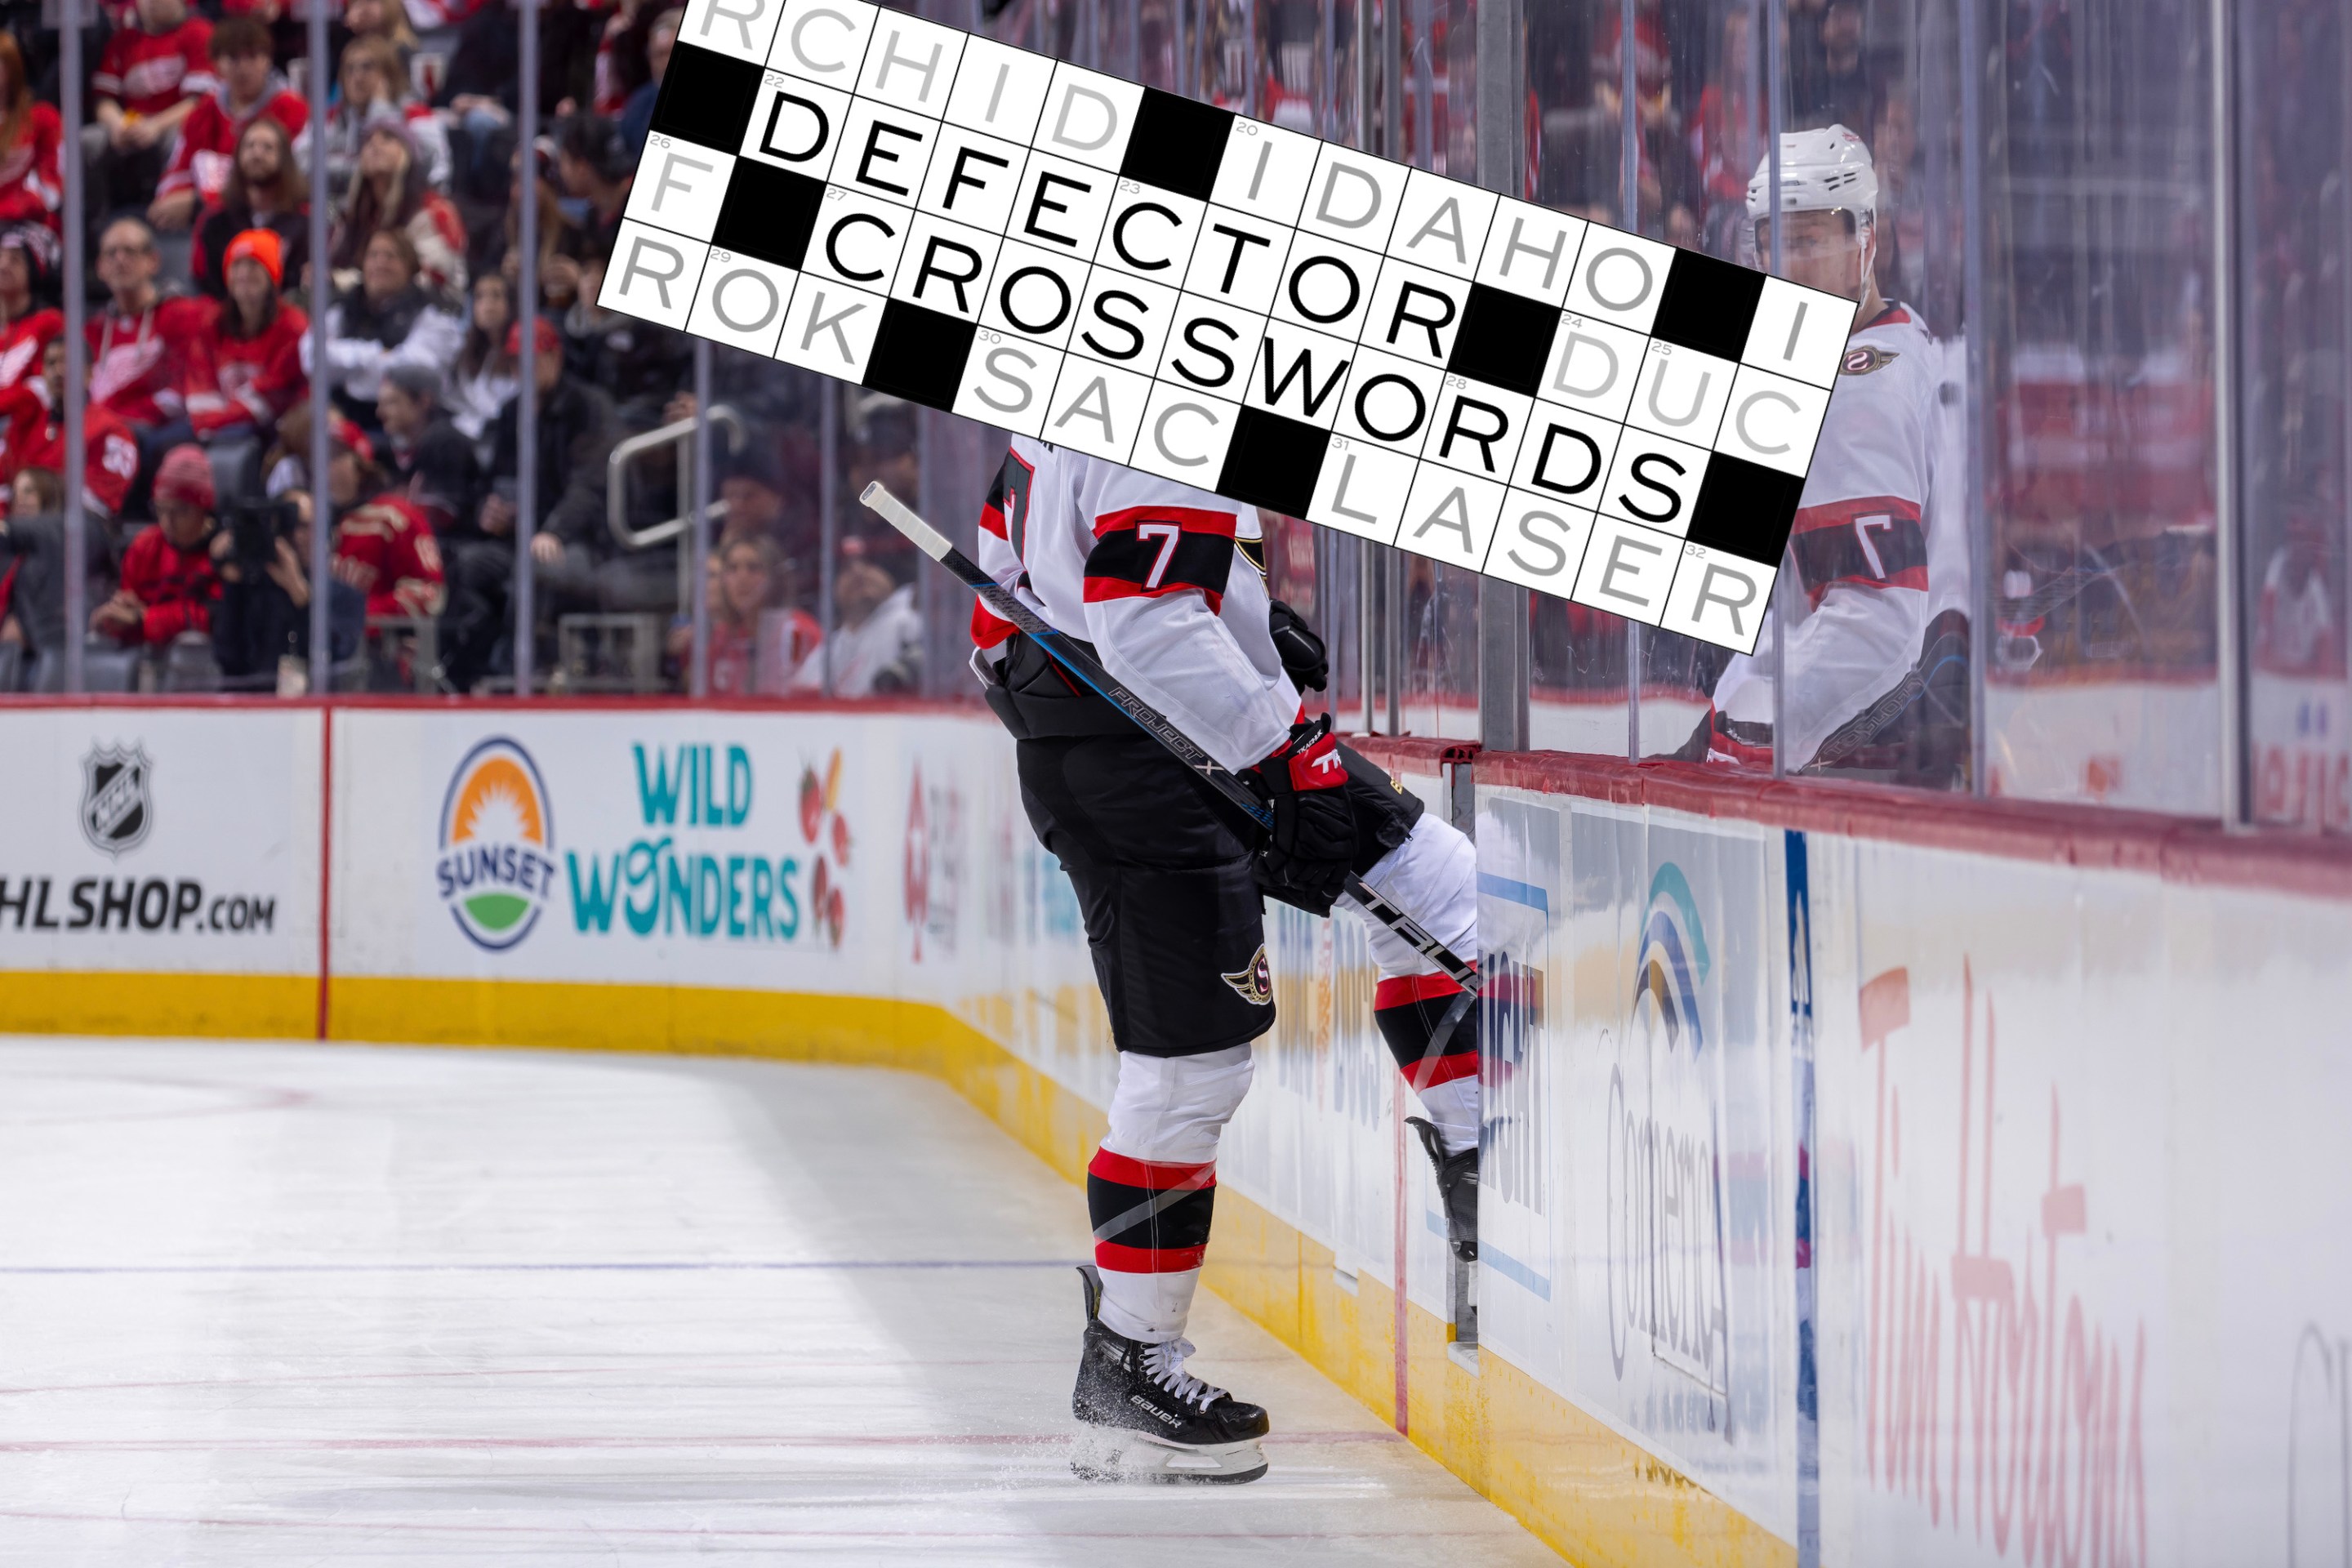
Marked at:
<point>149,79</point>
<point>248,88</point>
<point>168,581</point>
<point>246,369</point>
<point>28,322</point>
<point>264,190</point>
<point>32,189</point>
<point>37,436</point>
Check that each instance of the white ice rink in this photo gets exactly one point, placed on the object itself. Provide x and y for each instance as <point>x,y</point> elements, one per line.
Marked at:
<point>265,1304</point>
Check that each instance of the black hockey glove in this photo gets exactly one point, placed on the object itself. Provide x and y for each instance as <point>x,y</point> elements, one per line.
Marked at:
<point>1312,846</point>
<point>1301,651</point>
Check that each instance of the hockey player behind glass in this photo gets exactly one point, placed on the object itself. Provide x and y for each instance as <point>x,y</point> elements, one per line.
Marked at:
<point>1163,582</point>
<point>1877,662</point>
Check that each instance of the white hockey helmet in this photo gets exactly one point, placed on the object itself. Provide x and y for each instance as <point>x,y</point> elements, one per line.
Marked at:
<point>1821,171</point>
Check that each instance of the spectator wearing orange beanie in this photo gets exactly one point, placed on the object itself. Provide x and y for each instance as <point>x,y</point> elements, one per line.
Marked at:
<point>168,582</point>
<point>246,369</point>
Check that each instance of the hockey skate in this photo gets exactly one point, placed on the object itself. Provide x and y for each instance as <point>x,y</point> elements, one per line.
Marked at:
<point>1457,1187</point>
<point>1142,1418</point>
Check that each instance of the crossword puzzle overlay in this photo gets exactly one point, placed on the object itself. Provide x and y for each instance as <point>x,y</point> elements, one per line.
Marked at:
<point>1283,321</point>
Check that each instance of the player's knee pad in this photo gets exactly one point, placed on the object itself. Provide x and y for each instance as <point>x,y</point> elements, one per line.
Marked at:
<point>1172,1109</point>
<point>1433,876</point>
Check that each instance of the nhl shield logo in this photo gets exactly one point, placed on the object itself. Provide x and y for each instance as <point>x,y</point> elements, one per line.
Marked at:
<point>116,808</point>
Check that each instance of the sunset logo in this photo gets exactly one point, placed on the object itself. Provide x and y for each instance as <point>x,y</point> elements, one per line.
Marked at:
<point>497,866</point>
<point>1674,963</point>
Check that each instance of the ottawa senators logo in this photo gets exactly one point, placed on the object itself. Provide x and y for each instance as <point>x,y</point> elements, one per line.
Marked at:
<point>1863,360</point>
<point>1254,983</point>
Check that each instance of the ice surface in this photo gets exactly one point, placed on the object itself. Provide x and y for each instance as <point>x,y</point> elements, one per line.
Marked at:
<point>268,1303</point>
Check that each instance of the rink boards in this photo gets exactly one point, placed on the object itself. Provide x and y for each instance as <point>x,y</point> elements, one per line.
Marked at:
<point>2063,1098</point>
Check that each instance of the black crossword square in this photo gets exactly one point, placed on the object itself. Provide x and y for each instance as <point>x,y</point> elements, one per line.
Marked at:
<point>1745,509</point>
<point>919,354</point>
<point>706,98</point>
<point>1177,144</point>
<point>1273,462</point>
<point>1707,305</point>
<point>769,214</point>
<point>1505,340</point>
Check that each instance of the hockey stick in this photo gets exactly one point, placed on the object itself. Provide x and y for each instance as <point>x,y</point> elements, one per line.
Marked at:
<point>931,542</point>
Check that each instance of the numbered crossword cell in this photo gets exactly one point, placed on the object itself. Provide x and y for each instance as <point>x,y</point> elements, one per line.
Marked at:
<point>740,302</point>
<point>1717,597</point>
<point>1362,489</point>
<point>1097,409</point>
<point>1300,326</point>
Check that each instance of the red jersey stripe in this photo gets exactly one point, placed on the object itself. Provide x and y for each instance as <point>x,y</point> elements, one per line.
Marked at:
<point>1147,1259</point>
<point>1444,1069</point>
<point>1190,519</point>
<point>1101,589</point>
<point>1152,1175</point>
<point>1398,990</point>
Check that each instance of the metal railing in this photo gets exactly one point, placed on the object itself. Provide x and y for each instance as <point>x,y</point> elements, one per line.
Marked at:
<point>679,433</point>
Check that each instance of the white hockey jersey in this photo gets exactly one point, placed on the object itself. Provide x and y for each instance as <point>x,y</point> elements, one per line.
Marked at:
<point>1150,572</point>
<point>1861,544</point>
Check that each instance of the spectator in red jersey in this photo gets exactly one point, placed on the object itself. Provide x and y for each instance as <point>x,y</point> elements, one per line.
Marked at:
<point>391,318</point>
<point>31,188</point>
<point>138,343</point>
<point>397,562</point>
<point>249,89</point>
<point>390,194</point>
<point>168,581</point>
<point>28,324</point>
<point>37,436</point>
<point>266,190</point>
<point>374,92</point>
<point>247,370</point>
<point>148,80</point>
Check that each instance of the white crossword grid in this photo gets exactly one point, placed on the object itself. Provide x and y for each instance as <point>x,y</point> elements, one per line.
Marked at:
<point>1280,319</point>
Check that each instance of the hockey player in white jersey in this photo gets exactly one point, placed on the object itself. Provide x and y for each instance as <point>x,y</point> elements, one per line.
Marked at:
<point>1162,581</point>
<point>1877,658</point>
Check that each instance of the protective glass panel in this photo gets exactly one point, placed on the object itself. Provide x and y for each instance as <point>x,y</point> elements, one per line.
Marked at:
<point>2294,162</point>
<point>2099,417</point>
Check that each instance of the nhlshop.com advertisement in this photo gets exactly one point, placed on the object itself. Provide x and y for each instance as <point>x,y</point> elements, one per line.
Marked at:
<point>719,848</point>
<point>153,839</point>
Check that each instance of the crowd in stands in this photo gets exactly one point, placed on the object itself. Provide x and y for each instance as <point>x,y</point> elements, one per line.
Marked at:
<point>202,162</point>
